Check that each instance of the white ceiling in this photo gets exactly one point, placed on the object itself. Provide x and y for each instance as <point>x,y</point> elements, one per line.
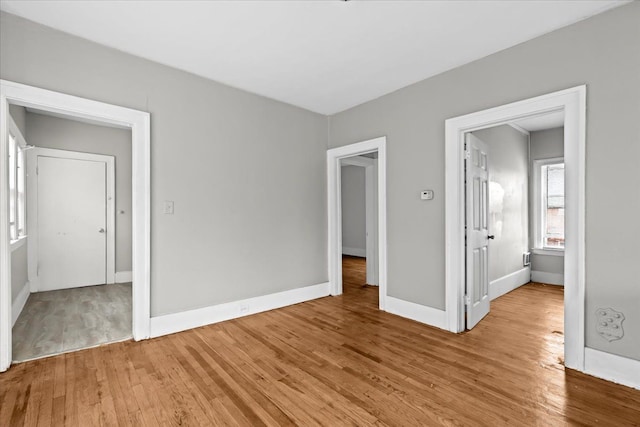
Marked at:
<point>325,56</point>
<point>543,122</point>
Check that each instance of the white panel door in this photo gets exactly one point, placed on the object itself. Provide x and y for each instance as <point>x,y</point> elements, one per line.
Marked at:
<point>477,221</point>
<point>71,223</point>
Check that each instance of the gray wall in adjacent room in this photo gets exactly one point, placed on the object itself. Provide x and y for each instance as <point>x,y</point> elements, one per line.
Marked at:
<point>247,174</point>
<point>354,226</point>
<point>62,134</point>
<point>19,271</point>
<point>19,116</point>
<point>547,144</point>
<point>508,198</point>
<point>601,52</point>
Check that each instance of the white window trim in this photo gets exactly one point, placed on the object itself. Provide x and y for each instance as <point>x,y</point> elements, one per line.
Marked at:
<point>21,145</point>
<point>548,251</point>
<point>538,247</point>
<point>20,241</point>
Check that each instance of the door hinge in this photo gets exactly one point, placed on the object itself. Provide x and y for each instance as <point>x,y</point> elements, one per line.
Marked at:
<point>467,300</point>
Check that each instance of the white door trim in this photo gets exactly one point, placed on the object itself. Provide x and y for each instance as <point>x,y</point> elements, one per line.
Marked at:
<point>139,123</point>
<point>371,171</point>
<point>32,208</point>
<point>573,102</point>
<point>334,157</point>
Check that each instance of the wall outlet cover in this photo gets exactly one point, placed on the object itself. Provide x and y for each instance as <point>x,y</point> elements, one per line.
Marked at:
<point>609,324</point>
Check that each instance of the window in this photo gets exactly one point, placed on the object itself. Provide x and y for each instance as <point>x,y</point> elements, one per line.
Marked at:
<point>17,199</point>
<point>549,204</point>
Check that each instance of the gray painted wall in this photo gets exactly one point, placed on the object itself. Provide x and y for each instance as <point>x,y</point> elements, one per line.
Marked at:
<point>62,134</point>
<point>19,115</point>
<point>508,198</point>
<point>547,144</point>
<point>601,52</point>
<point>247,174</point>
<point>19,266</point>
<point>354,210</point>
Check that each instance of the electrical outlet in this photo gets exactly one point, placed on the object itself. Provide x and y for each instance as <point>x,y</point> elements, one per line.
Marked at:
<point>244,308</point>
<point>609,324</point>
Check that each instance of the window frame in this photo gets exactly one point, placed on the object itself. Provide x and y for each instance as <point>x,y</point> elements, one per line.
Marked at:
<point>539,206</point>
<point>19,172</point>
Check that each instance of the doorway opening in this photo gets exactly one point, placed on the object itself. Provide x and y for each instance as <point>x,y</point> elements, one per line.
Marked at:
<point>359,213</point>
<point>571,103</point>
<point>515,202</point>
<point>371,156</point>
<point>78,244</point>
<point>81,109</point>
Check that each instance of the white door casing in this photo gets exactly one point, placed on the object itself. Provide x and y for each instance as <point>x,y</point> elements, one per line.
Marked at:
<point>334,158</point>
<point>72,222</point>
<point>477,227</point>
<point>140,124</point>
<point>573,102</point>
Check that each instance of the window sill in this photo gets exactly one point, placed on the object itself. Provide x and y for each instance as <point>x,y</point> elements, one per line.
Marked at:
<point>546,251</point>
<point>15,244</point>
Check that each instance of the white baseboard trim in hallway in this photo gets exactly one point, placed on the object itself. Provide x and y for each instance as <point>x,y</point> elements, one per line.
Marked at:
<point>547,278</point>
<point>611,367</point>
<point>176,322</point>
<point>507,283</point>
<point>124,276</point>
<point>354,252</point>
<point>19,302</point>
<point>420,313</point>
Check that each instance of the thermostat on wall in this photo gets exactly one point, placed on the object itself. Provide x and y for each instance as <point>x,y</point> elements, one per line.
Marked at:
<point>426,195</point>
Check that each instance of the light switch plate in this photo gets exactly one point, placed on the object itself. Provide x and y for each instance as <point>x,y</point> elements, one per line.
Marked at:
<point>168,207</point>
<point>426,195</point>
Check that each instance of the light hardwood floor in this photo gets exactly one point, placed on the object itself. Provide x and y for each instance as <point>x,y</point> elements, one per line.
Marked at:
<point>333,361</point>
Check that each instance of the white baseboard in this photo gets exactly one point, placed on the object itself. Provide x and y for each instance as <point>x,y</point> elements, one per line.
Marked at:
<point>547,278</point>
<point>354,251</point>
<point>507,283</point>
<point>171,323</point>
<point>611,367</point>
<point>19,302</point>
<point>124,276</point>
<point>420,313</point>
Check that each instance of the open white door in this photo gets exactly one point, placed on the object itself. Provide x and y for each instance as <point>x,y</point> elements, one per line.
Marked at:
<point>477,225</point>
<point>72,243</point>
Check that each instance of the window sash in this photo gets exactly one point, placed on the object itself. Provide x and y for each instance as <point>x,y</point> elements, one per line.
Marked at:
<point>549,204</point>
<point>17,183</point>
<point>13,162</point>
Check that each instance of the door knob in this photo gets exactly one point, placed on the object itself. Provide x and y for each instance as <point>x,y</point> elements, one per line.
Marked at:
<point>101,230</point>
<point>491,236</point>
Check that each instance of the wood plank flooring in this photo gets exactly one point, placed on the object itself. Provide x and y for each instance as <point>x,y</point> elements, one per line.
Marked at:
<point>333,361</point>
